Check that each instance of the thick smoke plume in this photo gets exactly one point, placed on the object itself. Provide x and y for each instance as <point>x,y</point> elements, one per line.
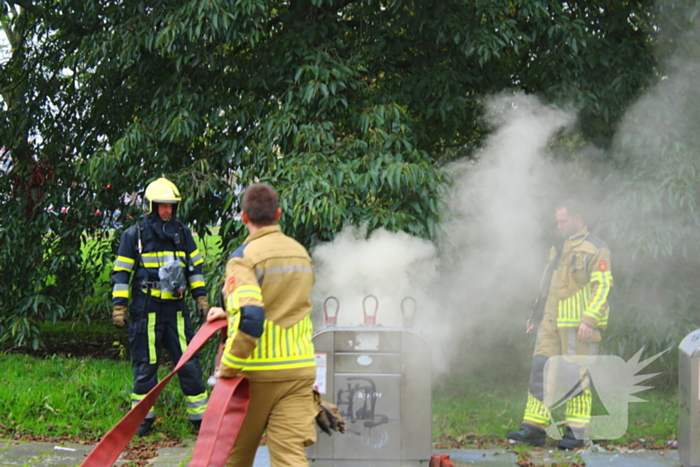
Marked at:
<point>475,286</point>
<point>492,251</point>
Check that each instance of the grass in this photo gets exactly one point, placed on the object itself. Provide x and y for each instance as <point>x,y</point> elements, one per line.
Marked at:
<point>57,397</point>
<point>79,385</point>
<point>469,414</point>
<point>60,397</point>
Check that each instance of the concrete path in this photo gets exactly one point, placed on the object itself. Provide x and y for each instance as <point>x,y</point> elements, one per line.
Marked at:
<point>34,454</point>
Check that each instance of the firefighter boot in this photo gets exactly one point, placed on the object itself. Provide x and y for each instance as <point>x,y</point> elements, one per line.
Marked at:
<point>572,439</point>
<point>145,427</point>
<point>529,434</point>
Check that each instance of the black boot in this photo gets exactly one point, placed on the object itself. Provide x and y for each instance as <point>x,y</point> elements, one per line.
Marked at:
<point>196,424</point>
<point>529,434</point>
<point>572,439</point>
<point>145,427</point>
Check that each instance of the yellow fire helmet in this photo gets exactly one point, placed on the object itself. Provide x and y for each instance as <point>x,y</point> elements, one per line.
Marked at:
<point>160,191</point>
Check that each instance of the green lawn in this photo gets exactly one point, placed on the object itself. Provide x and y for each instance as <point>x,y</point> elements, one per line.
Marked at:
<point>56,397</point>
<point>468,413</point>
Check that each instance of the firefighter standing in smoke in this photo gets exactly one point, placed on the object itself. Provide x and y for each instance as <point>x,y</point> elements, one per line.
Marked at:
<point>267,294</point>
<point>574,293</point>
<point>164,260</point>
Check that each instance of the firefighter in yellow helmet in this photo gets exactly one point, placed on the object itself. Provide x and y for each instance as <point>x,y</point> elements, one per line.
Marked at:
<point>569,315</point>
<point>267,294</point>
<point>161,255</point>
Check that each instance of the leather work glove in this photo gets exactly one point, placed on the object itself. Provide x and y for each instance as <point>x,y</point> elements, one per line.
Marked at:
<point>202,306</point>
<point>328,417</point>
<point>119,316</point>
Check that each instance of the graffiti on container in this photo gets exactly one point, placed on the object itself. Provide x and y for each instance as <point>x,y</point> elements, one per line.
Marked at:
<point>357,404</point>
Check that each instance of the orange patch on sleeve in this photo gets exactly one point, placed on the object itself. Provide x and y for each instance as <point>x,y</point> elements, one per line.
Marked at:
<point>603,265</point>
<point>230,286</point>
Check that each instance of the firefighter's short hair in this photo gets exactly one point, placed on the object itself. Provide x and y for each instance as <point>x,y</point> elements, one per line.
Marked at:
<point>573,207</point>
<point>260,203</point>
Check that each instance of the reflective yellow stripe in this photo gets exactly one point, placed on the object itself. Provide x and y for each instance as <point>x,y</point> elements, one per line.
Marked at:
<point>160,258</point>
<point>248,291</point>
<point>136,398</point>
<point>578,409</point>
<point>227,358</point>
<point>196,410</point>
<point>604,280</point>
<point>197,398</point>
<point>278,364</point>
<point>277,348</point>
<point>123,263</point>
<point>152,355</point>
<point>233,300</point>
<point>571,309</point>
<point>196,404</point>
<point>536,412</point>
<point>232,304</point>
<point>164,295</point>
<point>196,258</point>
<point>232,361</point>
<point>181,331</point>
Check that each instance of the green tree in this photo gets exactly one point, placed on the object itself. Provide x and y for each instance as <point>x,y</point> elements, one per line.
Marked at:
<point>349,107</point>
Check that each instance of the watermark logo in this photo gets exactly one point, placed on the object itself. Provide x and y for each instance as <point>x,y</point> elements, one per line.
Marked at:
<point>612,379</point>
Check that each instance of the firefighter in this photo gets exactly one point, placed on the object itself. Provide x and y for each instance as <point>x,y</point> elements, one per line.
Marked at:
<point>267,292</point>
<point>161,255</point>
<point>569,315</point>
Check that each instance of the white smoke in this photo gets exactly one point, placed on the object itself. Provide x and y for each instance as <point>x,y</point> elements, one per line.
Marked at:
<point>491,253</point>
<point>389,266</point>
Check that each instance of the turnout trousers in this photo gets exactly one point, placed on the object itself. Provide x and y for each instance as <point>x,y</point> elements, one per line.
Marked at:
<point>155,325</point>
<point>553,341</point>
<point>287,411</point>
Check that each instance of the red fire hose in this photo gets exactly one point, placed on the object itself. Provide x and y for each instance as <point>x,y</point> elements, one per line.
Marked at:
<point>227,407</point>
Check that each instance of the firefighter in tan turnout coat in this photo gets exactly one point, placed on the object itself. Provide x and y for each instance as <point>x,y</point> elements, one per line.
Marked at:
<point>267,296</point>
<point>575,288</point>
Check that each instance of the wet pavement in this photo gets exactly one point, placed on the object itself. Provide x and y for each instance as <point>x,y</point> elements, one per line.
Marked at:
<point>35,454</point>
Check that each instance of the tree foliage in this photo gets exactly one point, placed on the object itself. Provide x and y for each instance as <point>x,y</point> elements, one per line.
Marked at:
<point>349,107</point>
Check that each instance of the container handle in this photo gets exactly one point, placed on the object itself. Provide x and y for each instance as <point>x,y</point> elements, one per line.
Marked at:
<point>409,314</point>
<point>331,320</point>
<point>370,318</point>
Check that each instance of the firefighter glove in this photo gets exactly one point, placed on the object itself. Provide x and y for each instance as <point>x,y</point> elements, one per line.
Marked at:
<point>328,417</point>
<point>119,316</point>
<point>203,306</point>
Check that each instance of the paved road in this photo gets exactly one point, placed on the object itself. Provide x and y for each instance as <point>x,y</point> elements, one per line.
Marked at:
<point>33,454</point>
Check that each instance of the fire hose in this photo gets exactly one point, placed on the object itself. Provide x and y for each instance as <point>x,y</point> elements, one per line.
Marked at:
<point>228,404</point>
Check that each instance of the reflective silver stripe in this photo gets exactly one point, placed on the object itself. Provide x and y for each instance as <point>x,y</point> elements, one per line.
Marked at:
<point>204,401</point>
<point>160,258</point>
<point>260,274</point>
<point>196,278</point>
<point>120,288</point>
<point>289,268</point>
<point>119,264</point>
<point>197,257</point>
<point>165,256</point>
<point>279,362</point>
<point>136,398</point>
